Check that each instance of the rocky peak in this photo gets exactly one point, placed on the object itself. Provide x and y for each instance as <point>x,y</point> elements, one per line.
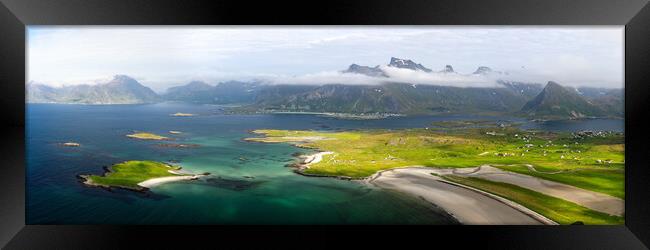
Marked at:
<point>123,80</point>
<point>365,70</point>
<point>483,70</point>
<point>407,64</point>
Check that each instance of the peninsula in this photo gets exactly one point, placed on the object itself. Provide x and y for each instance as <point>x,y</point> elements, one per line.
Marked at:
<point>561,176</point>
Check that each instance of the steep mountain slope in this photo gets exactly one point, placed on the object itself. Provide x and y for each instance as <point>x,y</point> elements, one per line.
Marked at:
<point>39,93</point>
<point>556,101</point>
<point>529,90</point>
<point>612,101</point>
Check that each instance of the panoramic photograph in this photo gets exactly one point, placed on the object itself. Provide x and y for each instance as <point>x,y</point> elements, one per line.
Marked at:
<point>284,125</point>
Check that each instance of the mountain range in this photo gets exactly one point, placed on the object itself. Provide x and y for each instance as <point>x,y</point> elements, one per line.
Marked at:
<point>120,90</point>
<point>534,100</point>
<point>389,98</point>
<point>230,92</point>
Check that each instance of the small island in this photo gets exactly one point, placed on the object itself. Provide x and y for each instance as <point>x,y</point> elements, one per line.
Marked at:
<point>182,114</point>
<point>138,175</point>
<point>147,136</point>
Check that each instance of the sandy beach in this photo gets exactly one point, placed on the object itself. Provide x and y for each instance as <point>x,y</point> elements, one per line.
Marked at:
<point>467,205</point>
<point>315,158</point>
<point>590,199</point>
<point>311,159</point>
<point>157,181</point>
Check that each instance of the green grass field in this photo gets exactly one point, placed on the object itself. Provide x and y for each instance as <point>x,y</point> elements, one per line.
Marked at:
<point>128,174</point>
<point>593,163</point>
<point>608,181</point>
<point>558,210</point>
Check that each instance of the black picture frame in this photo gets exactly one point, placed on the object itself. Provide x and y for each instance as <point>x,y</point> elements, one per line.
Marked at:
<point>16,14</point>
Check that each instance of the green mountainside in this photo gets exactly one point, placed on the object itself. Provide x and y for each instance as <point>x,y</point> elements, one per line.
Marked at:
<point>556,101</point>
<point>390,98</point>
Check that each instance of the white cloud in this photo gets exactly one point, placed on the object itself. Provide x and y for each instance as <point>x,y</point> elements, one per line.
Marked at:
<point>437,78</point>
<point>164,56</point>
<point>395,75</point>
<point>326,77</point>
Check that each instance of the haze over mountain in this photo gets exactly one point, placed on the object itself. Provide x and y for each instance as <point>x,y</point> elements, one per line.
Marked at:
<point>532,99</point>
<point>392,95</point>
<point>230,92</point>
<point>120,90</point>
<point>612,101</point>
<point>395,96</point>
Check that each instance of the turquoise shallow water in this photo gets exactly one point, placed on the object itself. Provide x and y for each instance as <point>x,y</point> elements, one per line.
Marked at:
<point>248,184</point>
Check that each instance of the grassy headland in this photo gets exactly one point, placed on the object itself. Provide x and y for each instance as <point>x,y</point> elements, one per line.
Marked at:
<point>590,162</point>
<point>128,174</point>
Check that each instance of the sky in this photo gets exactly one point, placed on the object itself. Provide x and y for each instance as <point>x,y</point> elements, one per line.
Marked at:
<point>164,56</point>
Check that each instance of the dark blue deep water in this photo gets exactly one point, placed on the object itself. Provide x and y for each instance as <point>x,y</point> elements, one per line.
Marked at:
<point>275,195</point>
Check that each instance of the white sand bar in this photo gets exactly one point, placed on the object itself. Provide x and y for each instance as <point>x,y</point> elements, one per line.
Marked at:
<point>467,205</point>
<point>590,199</point>
<point>157,181</point>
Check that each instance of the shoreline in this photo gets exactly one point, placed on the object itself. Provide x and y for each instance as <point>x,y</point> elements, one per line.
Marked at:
<point>469,204</point>
<point>423,188</point>
<point>466,204</point>
<point>516,213</point>
<point>161,180</point>
<point>593,200</point>
<point>307,160</point>
<point>303,161</point>
<point>145,185</point>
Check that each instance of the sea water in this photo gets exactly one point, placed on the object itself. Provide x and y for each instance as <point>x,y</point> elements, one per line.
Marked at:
<point>248,184</point>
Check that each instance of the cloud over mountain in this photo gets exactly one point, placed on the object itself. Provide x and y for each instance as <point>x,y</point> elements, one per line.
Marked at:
<point>163,57</point>
<point>397,71</point>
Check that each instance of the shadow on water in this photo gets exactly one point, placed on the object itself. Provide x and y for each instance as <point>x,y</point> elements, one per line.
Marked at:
<point>122,195</point>
<point>231,184</point>
<point>359,191</point>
